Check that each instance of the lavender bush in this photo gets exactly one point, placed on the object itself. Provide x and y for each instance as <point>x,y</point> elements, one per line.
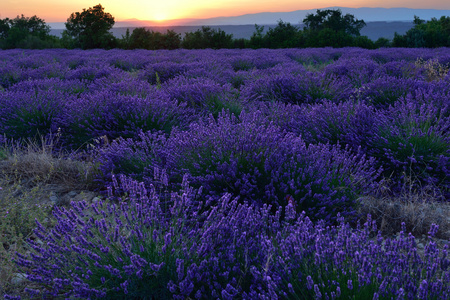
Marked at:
<point>203,94</point>
<point>140,247</point>
<point>112,116</point>
<point>413,142</point>
<point>26,114</point>
<point>347,123</point>
<point>282,144</point>
<point>71,87</point>
<point>305,87</point>
<point>258,162</point>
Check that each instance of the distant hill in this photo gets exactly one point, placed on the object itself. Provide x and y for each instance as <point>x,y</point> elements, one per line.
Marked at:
<point>373,30</point>
<point>366,13</point>
<point>381,22</point>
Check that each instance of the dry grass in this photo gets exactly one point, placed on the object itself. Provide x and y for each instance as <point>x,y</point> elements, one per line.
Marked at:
<point>418,207</point>
<point>434,70</point>
<point>29,174</point>
<point>38,161</point>
<point>418,215</point>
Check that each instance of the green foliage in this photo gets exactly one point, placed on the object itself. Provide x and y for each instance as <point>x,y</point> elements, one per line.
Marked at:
<point>399,41</point>
<point>4,28</point>
<point>26,32</point>
<point>125,41</point>
<point>418,21</point>
<point>328,38</point>
<point>382,43</point>
<point>172,40</point>
<point>431,34</point>
<point>284,35</point>
<point>329,28</point>
<point>142,38</point>
<point>90,28</point>
<point>363,42</point>
<point>207,38</point>
<point>240,43</point>
<point>334,20</point>
<point>256,40</point>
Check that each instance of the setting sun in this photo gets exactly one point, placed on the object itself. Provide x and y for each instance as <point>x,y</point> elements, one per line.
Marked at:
<point>159,16</point>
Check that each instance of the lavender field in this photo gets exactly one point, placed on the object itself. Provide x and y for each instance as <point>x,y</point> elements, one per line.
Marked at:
<point>235,174</point>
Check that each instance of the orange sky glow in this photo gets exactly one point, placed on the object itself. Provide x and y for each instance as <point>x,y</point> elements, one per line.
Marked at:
<point>59,11</point>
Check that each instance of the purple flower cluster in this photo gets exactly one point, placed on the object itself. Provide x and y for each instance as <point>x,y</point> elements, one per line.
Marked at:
<point>304,87</point>
<point>246,157</point>
<point>108,114</point>
<point>372,102</point>
<point>262,164</point>
<point>274,139</point>
<point>25,114</point>
<point>146,247</point>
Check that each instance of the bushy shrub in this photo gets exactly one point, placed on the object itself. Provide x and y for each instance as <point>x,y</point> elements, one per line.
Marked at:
<point>413,143</point>
<point>251,60</point>
<point>71,87</point>
<point>387,90</point>
<point>257,162</point>
<point>202,94</point>
<point>142,247</point>
<point>401,69</point>
<point>130,63</point>
<point>306,87</point>
<point>89,73</point>
<point>158,73</point>
<point>27,114</point>
<point>122,83</point>
<point>347,123</point>
<point>357,70</point>
<point>107,114</point>
<point>9,75</point>
<point>262,164</point>
<point>134,157</point>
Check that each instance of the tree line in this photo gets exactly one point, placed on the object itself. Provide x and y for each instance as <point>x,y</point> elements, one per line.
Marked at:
<point>91,27</point>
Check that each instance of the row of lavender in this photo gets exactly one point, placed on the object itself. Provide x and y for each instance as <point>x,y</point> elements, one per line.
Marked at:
<point>147,248</point>
<point>310,129</point>
<point>382,104</point>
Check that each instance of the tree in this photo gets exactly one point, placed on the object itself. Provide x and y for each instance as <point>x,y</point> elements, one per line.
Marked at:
<point>382,43</point>
<point>256,40</point>
<point>431,34</point>
<point>90,28</point>
<point>172,40</point>
<point>284,35</point>
<point>125,41</point>
<point>399,41</point>
<point>363,42</point>
<point>142,38</point>
<point>207,38</point>
<point>417,20</point>
<point>240,43</point>
<point>26,32</point>
<point>33,25</point>
<point>4,28</point>
<point>329,38</point>
<point>334,20</point>
<point>331,28</point>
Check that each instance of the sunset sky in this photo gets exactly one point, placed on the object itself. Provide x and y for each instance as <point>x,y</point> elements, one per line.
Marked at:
<point>59,10</point>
